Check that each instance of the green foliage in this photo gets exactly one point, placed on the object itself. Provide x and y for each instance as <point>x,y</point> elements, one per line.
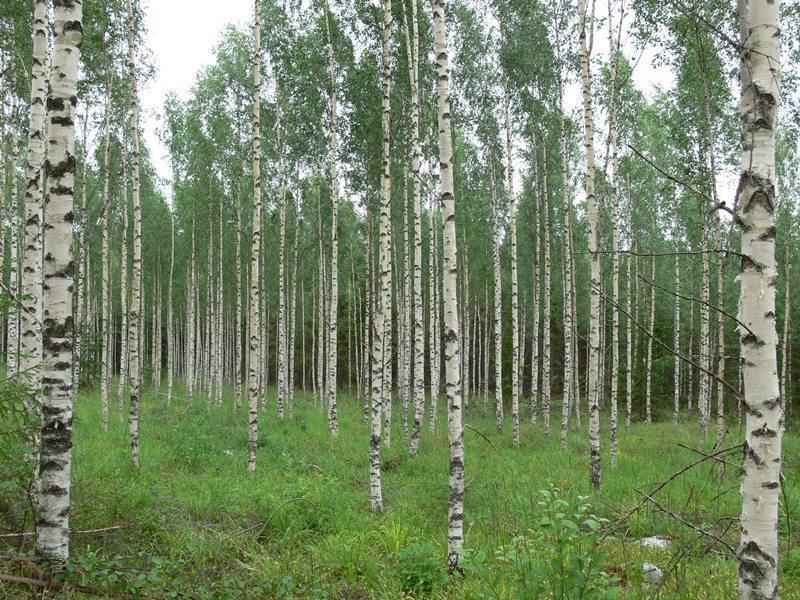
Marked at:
<point>420,566</point>
<point>563,558</point>
<point>301,527</point>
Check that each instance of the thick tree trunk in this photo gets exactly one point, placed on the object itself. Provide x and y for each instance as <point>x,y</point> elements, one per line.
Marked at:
<point>455,430</point>
<point>31,325</point>
<point>52,530</point>
<point>255,252</point>
<point>383,313</point>
<point>758,551</point>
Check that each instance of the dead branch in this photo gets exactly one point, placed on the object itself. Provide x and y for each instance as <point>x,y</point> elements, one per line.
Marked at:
<point>694,299</point>
<point>686,523</point>
<point>734,392</point>
<point>83,532</point>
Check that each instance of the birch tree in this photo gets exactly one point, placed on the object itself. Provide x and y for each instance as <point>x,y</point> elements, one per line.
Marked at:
<point>760,95</point>
<point>594,284</point>
<point>52,531</point>
<point>255,253</point>
<point>455,430</point>
<point>136,285</point>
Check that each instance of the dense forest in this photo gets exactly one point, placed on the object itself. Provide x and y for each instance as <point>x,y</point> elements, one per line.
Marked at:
<point>450,299</point>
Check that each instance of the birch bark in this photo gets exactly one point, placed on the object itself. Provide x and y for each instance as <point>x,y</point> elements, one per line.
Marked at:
<point>455,431</point>
<point>758,551</point>
<point>52,531</point>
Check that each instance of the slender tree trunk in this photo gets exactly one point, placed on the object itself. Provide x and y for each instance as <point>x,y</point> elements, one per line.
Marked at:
<point>786,328</point>
<point>758,551</point>
<point>256,246</point>
<point>171,314</point>
<point>498,305</point>
<point>629,324</point>
<point>537,232</point>
<point>52,531</point>
<point>13,353</point>
<point>333,318</point>
<point>124,361</point>
<point>594,311</point>
<point>137,247</point>
<point>455,431</point>
<point>676,341</point>
<point>546,348</point>
<point>569,328</point>
<point>651,323</point>
<point>433,317</point>
<point>105,377</point>
<point>515,330</point>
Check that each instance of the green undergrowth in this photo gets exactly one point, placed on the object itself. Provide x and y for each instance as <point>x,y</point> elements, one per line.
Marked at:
<point>195,524</point>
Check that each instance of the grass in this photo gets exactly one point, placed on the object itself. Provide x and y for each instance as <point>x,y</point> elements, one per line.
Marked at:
<point>301,525</point>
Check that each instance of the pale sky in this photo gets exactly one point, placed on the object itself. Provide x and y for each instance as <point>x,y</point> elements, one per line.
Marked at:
<point>181,35</point>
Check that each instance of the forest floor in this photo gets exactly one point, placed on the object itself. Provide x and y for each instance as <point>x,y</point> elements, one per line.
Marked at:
<point>196,525</point>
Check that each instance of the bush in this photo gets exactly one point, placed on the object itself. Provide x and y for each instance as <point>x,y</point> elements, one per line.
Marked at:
<point>420,568</point>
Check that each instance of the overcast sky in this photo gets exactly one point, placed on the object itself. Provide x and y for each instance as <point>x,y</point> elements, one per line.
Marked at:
<point>181,35</point>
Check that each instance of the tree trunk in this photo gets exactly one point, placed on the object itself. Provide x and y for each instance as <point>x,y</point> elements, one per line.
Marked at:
<point>52,530</point>
<point>455,431</point>
<point>676,341</point>
<point>105,376</point>
<point>537,233</point>
<point>124,360</point>
<point>333,317</point>
<point>546,348</point>
<point>137,247</point>
<point>255,253</point>
<point>594,284</point>
<point>515,329</point>
<point>170,314</point>
<point>31,326</point>
<point>758,551</point>
<point>498,305</point>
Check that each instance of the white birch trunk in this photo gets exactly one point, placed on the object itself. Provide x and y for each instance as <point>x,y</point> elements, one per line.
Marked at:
<point>52,530</point>
<point>255,253</point>
<point>593,221</point>
<point>455,430</point>
<point>515,330</point>
<point>758,551</point>
<point>136,301</point>
<point>105,376</point>
<point>333,307</point>
<point>31,325</point>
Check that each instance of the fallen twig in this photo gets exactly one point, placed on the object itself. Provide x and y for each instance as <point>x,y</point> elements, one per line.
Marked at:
<point>488,441</point>
<point>683,521</point>
<point>83,532</point>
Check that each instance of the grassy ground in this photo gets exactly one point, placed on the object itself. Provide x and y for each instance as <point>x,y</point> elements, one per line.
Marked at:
<point>301,526</point>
